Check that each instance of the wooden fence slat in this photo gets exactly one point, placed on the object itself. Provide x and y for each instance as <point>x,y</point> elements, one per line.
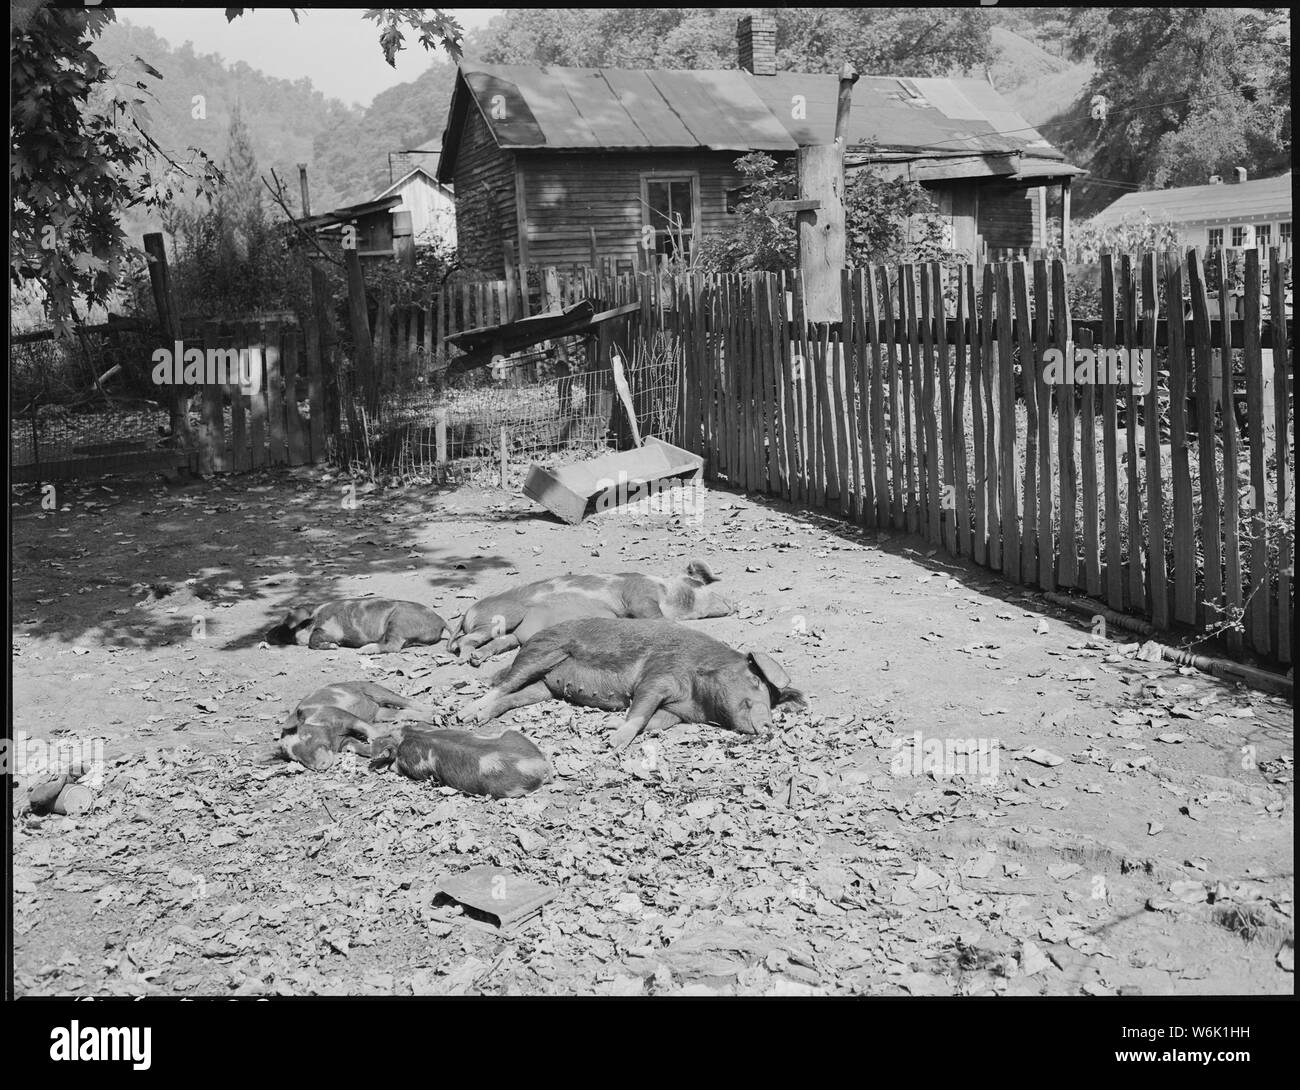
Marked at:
<point>278,454</point>
<point>1042,326</point>
<point>1257,614</point>
<point>991,423</point>
<point>785,393</point>
<point>257,400</point>
<point>296,438</point>
<point>207,439</point>
<point>961,474</point>
<point>879,437</point>
<point>316,390</point>
<point>758,384</point>
<point>1211,515</point>
<point>864,438</point>
<point>1131,341</point>
<point>1068,569</point>
<point>1007,456</point>
<point>1283,408</point>
<point>946,502</point>
<point>240,458</point>
<point>1157,589</point>
<point>1110,442</point>
<point>925,409</point>
<point>1184,536</point>
<point>1231,513</point>
<point>1028,367</point>
<point>911,440</point>
<point>827,482</point>
<point>846,420</point>
<point>1089,493</point>
<point>978,340</point>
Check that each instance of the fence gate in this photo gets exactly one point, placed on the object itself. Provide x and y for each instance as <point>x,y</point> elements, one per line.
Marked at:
<point>263,401</point>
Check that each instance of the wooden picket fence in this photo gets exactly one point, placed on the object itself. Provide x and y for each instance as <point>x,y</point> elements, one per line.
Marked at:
<point>279,418</point>
<point>927,409</point>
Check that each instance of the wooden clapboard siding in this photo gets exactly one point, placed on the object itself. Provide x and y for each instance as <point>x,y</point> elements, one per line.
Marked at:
<point>569,194</point>
<point>485,198</point>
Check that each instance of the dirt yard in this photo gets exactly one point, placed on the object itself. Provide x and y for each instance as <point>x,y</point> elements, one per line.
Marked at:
<point>1155,858</point>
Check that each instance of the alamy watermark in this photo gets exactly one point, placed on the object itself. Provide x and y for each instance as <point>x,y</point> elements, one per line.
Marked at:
<point>1130,367</point>
<point>181,366</point>
<point>976,758</point>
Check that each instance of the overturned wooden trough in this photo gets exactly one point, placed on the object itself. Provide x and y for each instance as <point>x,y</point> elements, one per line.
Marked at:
<point>575,491</point>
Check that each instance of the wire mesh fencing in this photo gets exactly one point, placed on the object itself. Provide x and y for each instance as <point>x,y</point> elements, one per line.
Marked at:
<point>488,426</point>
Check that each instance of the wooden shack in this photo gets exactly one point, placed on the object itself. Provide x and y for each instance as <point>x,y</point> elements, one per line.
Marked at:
<point>542,156</point>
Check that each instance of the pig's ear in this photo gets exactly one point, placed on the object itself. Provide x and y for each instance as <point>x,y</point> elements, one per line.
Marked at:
<point>700,572</point>
<point>793,697</point>
<point>766,668</point>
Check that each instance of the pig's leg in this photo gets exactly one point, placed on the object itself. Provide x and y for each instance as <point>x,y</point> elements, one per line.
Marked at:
<point>494,703</point>
<point>498,646</point>
<point>395,706</point>
<point>531,665</point>
<point>644,711</point>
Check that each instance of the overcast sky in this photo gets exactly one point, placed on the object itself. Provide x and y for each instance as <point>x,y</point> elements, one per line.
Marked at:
<point>333,47</point>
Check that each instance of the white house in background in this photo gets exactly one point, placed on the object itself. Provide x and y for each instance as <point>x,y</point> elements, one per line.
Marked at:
<point>1235,214</point>
<point>430,204</point>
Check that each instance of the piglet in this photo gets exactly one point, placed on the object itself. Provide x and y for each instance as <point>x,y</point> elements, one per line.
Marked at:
<point>661,672</point>
<point>504,767</point>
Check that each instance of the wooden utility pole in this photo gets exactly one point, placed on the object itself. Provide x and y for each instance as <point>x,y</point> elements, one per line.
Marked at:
<point>819,211</point>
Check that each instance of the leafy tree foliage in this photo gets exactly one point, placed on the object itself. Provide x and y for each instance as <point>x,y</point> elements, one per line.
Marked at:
<point>1188,92</point>
<point>886,41</point>
<point>887,220</point>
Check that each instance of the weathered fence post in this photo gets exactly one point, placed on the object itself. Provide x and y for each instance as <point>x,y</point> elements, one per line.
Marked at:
<point>164,298</point>
<point>365,359</point>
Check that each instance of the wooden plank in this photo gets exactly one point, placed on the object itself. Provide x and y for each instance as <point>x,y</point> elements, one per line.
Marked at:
<point>1157,588</point>
<point>278,453</point>
<point>757,424</point>
<point>978,329</point>
<point>257,400</point>
<point>1068,570</point>
<point>746,327</point>
<point>898,509</point>
<point>821,235</point>
<point>1231,483</point>
<point>1089,493</point>
<point>1211,515</point>
<point>807,415</point>
<point>925,407</point>
<point>206,440</point>
<point>1184,536</point>
<point>1025,342</point>
<point>240,458</point>
<point>1042,323</point>
<point>781,381</point>
<point>961,474</point>
<point>909,383</point>
<point>846,428</point>
<point>947,502</point>
<point>767,329</point>
<point>316,390</point>
<point>1007,458</point>
<point>1136,598</point>
<point>1282,409</point>
<point>865,435</point>
<point>992,423</point>
<point>297,440</point>
<point>1257,613</point>
<point>827,483</point>
<point>1110,441</point>
<point>879,437</point>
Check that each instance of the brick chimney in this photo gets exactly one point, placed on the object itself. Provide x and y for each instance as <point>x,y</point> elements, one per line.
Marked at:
<point>756,44</point>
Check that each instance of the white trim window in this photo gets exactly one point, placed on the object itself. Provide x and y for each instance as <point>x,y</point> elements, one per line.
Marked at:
<point>1215,236</point>
<point>1240,236</point>
<point>1263,236</point>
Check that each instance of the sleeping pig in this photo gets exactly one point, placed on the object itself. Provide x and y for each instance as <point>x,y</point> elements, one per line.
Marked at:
<point>629,594</point>
<point>662,673</point>
<point>503,767</point>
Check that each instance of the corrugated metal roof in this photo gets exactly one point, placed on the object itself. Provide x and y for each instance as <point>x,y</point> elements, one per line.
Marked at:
<point>1260,198</point>
<point>527,106</point>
